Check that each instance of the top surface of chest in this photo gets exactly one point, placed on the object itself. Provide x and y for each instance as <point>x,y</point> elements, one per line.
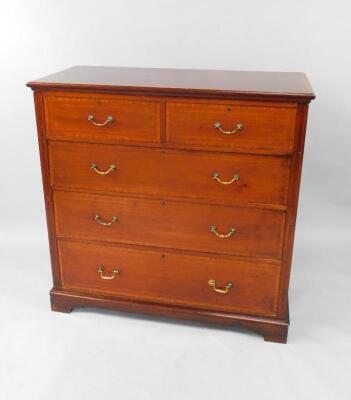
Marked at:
<point>292,86</point>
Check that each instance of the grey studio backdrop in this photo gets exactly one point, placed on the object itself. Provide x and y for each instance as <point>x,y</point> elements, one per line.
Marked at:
<point>90,354</point>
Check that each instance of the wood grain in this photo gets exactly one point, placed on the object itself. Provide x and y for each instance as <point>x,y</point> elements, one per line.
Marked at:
<point>170,278</point>
<point>278,86</point>
<point>273,329</point>
<point>170,224</point>
<point>293,198</point>
<point>133,120</point>
<point>179,174</point>
<point>48,196</point>
<point>264,128</point>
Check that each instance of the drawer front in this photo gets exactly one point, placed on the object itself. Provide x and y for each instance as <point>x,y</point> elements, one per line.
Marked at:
<point>229,230</point>
<point>102,119</point>
<point>232,128</point>
<point>172,278</point>
<point>168,173</point>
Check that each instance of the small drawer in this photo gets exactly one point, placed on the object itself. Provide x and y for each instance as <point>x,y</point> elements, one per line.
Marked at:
<point>189,226</point>
<point>109,119</point>
<point>217,283</point>
<point>219,178</point>
<point>236,127</point>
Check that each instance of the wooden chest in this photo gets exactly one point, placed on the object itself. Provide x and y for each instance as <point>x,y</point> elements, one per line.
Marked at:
<point>173,192</point>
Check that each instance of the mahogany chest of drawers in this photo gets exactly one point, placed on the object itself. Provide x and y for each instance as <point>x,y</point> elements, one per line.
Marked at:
<point>173,192</point>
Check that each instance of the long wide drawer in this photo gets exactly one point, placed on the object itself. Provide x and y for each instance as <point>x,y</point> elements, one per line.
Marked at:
<point>217,283</point>
<point>199,227</point>
<point>103,118</point>
<point>231,127</point>
<point>220,178</point>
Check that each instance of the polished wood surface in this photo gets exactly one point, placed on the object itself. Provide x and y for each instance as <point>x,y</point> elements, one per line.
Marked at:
<point>153,125</point>
<point>170,224</point>
<point>171,277</point>
<point>268,128</point>
<point>48,194</point>
<point>160,152</point>
<point>272,329</point>
<point>133,120</point>
<point>170,173</point>
<point>251,84</point>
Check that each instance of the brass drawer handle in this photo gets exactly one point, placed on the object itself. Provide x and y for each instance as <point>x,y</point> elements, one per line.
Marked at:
<point>98,219</point>
<point>91,118</point>
<point>212,283</point>
<point>239,127</point>
<point>216,177</point>
<point>115,272</point>
<point>231,232</point>
<point>94,167</point>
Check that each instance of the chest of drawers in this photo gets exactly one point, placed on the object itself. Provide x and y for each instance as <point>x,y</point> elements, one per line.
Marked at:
<point>173,192</point>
